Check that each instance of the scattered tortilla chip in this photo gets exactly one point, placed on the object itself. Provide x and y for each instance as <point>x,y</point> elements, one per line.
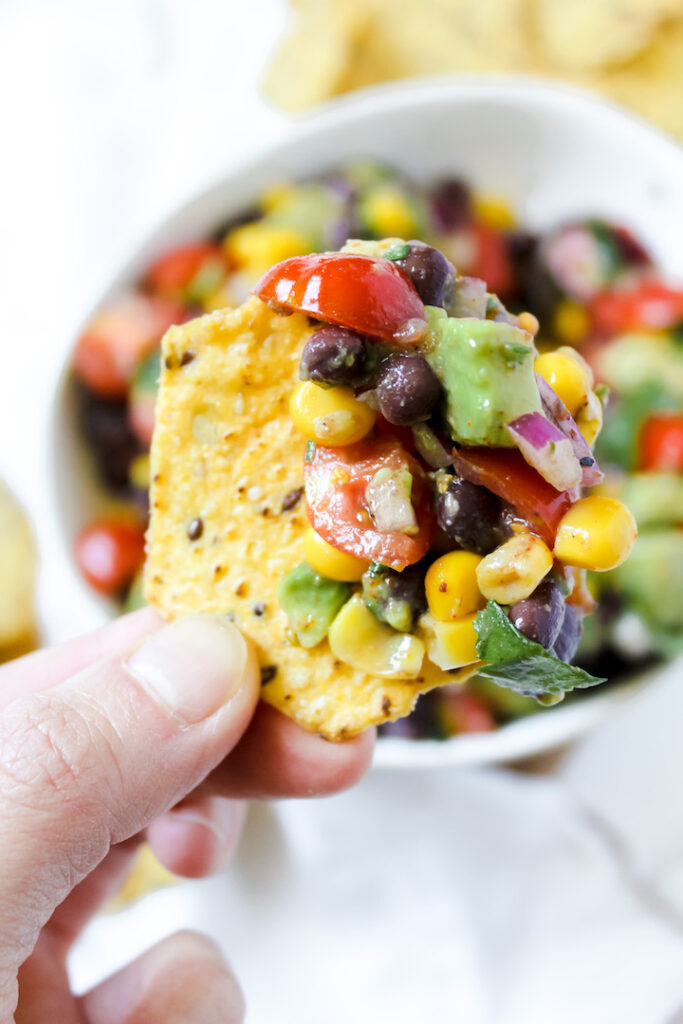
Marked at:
<point>309,65</point>
<point>146,875</point>
<point>227,469</point>
<point>589,35</point>
<point>17,579</point>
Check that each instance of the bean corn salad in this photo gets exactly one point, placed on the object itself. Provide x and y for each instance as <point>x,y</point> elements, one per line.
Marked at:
<point>607,322</point>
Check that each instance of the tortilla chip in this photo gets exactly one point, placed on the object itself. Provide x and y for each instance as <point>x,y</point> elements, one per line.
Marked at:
<point>226,453</point>
<point>17,579</point>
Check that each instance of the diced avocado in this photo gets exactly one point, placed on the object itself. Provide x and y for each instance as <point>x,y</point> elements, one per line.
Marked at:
<point>651,579</point>
<point>314,210</point>
<point>134,598</point>
<point>654,498</point>
<point>633,359</point>
<point>310,602</point>
<point>618,440</point>
<point>487,371</point>
<point>147,373</point>
<point>397,598</point>
<point>506,703</point>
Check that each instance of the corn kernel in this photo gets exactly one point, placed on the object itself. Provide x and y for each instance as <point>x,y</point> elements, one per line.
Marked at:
<point>596,533</point>
<point>387,211</point>
<point>493,210</point>
<point>529,322</point>
<point>275,196</point>
<point>362,641</point>
<point>451,586</point>
<point>259,245</point>
<point>450,644</point>
<point>566,377</point>
<point>570,322</point>
<point>139,474</point>
<point>330,416</point>
<point>330,561</point>
<point>589,419</point>
<point>514,570</point>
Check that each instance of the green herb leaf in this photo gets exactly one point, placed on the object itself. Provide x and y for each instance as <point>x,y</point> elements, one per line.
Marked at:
<point>398,251</point>
<point>520,664</point>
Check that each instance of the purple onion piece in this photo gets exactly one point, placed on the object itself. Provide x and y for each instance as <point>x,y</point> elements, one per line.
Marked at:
<point>430,446</point>
<point>558,413</point>
<point>546,448</point>
<point>469,298</point>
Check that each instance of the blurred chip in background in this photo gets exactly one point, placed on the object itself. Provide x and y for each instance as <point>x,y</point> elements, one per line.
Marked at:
<point>18,630</point>
<point>628,50</point>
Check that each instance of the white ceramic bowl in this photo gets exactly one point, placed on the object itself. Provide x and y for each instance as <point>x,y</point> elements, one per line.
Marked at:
<point>553,152</point>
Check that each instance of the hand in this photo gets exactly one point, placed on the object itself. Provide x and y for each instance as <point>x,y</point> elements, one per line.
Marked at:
<point>102,739</point>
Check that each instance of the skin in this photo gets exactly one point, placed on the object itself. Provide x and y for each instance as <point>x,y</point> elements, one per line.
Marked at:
<point>95,757</point>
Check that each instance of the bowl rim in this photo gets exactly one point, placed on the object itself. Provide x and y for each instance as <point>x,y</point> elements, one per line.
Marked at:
<point>518,739</point>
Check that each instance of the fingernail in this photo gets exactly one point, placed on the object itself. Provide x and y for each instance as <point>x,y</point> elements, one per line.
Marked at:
<point>193,666</point>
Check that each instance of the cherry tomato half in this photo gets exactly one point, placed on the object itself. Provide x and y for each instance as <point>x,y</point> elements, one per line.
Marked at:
<point>365,294</point>
<point>491,261</point>
<point>652,305</point>
<point>117,338</point>
<point>504,471</point>
<point>109,553</point>
<point>336,480</point>
<point>175,269</point>
<point>661,443</point>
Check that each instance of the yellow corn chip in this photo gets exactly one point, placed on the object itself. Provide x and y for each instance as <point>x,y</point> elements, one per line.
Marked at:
<point>226,462</point>
<point>17,579</point>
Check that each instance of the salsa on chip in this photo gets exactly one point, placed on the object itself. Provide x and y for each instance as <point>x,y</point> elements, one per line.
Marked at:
<point>370,469</point>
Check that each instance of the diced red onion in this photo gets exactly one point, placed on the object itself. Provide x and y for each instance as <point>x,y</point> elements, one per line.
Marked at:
<point>389,504</point>
<point>469,298</point>
<point>431,447</point>
<point>546,448</point>
<point>558,414</point>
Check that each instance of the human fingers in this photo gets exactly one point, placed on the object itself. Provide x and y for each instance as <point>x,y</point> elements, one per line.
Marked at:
<point>182,980</point>
<point>95,759</point>
<point>198,837</point>
<point>52,665</point>
<point>276,758</point>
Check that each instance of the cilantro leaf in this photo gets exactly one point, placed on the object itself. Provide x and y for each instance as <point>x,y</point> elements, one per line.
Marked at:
<point>397,251</point>
<point>522,665</point>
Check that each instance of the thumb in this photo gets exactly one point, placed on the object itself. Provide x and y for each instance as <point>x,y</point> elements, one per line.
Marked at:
<point>92,761</point>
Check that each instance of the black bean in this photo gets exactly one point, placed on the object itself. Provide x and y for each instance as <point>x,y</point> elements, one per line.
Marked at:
<point>104,424</point>
<point>540,616</point>
<point>333,355</point>
<point>567,642</point>
<point>431,273</point>
<point>450,204</point>
<point>470,515</point>
<point>407,389</point>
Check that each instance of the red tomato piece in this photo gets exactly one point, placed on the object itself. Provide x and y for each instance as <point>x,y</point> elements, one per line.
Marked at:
<point>365,294</point>
<point>652,305</point>
<point>175,269</point>
<point>661,443</point>
<point>461,711</point>
<point>492,261</point>
<point>336,480</point>
<point>117,338</point>
<point>109,553</point>
<point>504,471</point>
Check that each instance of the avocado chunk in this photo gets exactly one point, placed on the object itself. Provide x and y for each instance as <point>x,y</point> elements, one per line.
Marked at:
<point>651,579</point>
<point>487,371</point>
<point>654,498</point>
<point>397,598</point>
<point>310,602</point>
